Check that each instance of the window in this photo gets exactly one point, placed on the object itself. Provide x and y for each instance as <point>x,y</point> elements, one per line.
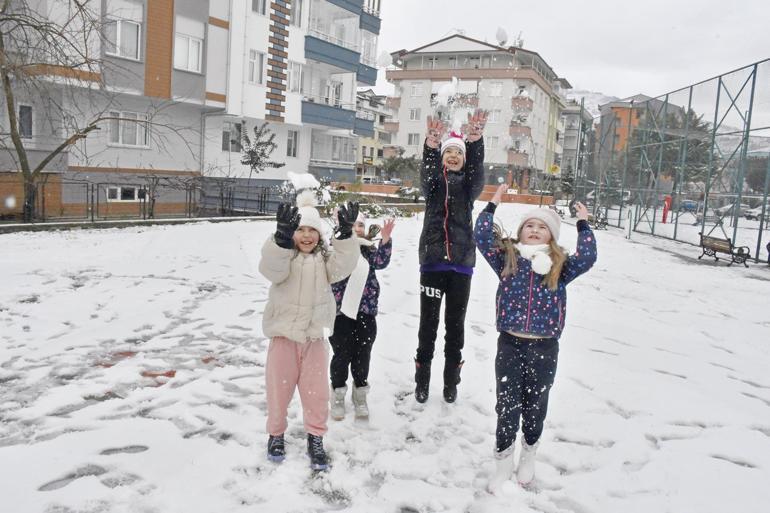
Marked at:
<point>296,13</point>
<point>259,6</point>
<point>496,89</point>
<point>231,137</point>
<point>486,61</point>
<point>25,121</point>
<point>522,90</point>
<point>432,63</point>
<point>414,139</point>
<point>292,143</point>
<point>380,153</point>
<point>126,194</point>
<point>414,114</point>
<point>416,90</point>
<point>128,128</point>
<point>256,67</point>
<point>493,142</point>
<point>188,53</point>
<point>474,62</point>
<point>452,62</point>
<point>494,116</point>
<point>294,77</point>
<point>123,38</point>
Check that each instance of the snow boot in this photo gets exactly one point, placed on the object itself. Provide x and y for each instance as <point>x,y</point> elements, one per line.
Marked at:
<point>337,410</point>
<point>451,380</point>
<point>503,469</point>
<point>276,449</point>
<point>422,379</point>
<point>316,452</point>
<point>525,473</point>
<point>359,402</point>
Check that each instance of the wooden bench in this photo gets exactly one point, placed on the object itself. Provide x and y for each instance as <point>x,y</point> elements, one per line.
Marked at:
<point>713,245</point>
<point>598,221</point>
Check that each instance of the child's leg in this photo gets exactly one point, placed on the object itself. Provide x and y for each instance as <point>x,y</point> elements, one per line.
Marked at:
<point>539,374</point>
<point>508,373</point>
<point>457,292</point>
<point>366,332</point>
<point>342,342</point>
<point>314,386</point>
<point>432,287</point>
<point>281,376</point>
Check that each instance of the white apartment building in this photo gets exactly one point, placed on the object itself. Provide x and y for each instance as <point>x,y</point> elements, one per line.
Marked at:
<point>371,145</point>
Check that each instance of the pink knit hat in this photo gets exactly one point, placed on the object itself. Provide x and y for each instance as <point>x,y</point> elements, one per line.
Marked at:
<point>455,140</point>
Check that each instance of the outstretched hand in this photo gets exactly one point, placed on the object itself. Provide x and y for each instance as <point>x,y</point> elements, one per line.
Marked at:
<point>476,123</point>
<point>287,220</point>
<point>582,211</point>
<point>436,129</point>
<point>387,229</point>
<point>498,197</point>
<point>346,217</point>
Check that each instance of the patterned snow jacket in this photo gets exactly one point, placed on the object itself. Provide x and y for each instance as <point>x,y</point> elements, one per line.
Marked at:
<point>523,303</point>
<point>447,230</point>
<point>378,258</point>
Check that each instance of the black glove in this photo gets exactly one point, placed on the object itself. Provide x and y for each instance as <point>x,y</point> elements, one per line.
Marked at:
<point>288,222</point>
<point>346,217</point>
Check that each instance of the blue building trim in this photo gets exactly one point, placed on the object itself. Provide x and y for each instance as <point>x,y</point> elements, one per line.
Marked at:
<point>329,53</point>
<point>363,127</point>
<point>326,115</point>
<point>350,5</point>
<point>366,74</point>
<point>370,23</point>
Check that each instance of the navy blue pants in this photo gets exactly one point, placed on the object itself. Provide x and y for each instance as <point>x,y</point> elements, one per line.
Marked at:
<point>525,370</point>
<point>352,345</point>
<point>434,286</point>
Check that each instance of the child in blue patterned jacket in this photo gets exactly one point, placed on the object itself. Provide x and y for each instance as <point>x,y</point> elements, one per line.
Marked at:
<point>355,327</point>
<point>531,306</point>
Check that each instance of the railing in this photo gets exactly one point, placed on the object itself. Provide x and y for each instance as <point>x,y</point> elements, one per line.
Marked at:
<point>522,103</point>
<point>332,163</point>
<point>354,46</point>
<point>393,102</point>
<point>328,100</point>
<point>365,114</point>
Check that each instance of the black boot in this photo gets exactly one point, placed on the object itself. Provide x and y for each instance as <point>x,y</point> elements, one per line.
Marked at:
<point>315,449</point>
<point>276,451</point>
<point>451,380</point>
<point>422,379</point>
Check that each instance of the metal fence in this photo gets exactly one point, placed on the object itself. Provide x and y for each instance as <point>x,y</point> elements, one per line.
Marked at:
<point>695,160</point>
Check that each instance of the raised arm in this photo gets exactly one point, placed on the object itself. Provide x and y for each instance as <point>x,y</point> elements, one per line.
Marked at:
<point>585,254</point>
<point>279,248</point>
<point>484,235</point>
<point>343,259</point>
<point>380,258</point>
<point>430,168</point>
<point>475,152</point>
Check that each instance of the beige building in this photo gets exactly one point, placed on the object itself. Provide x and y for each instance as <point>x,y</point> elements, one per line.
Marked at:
<point>453,76</point>
<point>372,143</point>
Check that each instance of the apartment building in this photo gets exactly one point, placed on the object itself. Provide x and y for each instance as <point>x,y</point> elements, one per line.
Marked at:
<point>180,83</point>
<point>372,145</point>
<point>578,123</point>
<point>451,77</point>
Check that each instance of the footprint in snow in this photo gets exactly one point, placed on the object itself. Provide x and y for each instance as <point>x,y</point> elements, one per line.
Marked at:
<point>88,470</point>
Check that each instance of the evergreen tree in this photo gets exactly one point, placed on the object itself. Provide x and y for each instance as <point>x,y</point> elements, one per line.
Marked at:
<point>256,152</point>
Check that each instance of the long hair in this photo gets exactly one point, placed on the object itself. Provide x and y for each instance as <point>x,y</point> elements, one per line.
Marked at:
<point>507,245</point>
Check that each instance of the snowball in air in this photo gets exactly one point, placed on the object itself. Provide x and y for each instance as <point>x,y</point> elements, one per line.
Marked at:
<point>10,202</point>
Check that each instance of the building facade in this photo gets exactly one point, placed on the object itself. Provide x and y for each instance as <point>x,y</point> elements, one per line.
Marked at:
<point>451,77</point>
<point>372,145</point>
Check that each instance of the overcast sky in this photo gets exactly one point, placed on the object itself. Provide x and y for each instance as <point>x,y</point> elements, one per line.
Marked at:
<point>615,47</point>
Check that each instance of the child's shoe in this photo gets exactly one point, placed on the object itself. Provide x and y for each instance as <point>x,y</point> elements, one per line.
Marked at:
<point>337,410</point>
<point>316,452</point>
<point>422,380</point>
<point>503,469</point>
<point>525,473</point>
<point>451,380</point>
<point>276,449</point>
<point>359,402</point>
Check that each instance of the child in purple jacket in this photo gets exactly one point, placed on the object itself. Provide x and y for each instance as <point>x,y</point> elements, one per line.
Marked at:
<point>355,327</point>
<point>531,306</point>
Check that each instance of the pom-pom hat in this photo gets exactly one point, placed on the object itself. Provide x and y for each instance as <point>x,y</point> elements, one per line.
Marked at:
<point>454,140</point>
<point>309,216</point>
<point>546,215</point>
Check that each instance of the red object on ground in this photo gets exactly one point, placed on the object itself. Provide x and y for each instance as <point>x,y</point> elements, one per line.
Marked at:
<point>666,207</point>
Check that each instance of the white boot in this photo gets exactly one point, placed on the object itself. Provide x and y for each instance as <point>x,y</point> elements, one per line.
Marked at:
<point>503,469</point>
<point>359,402</point>
<point>526,471</point>
<point>337,411</point>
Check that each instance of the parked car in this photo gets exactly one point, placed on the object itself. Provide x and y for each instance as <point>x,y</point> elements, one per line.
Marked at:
<point>394,181</point>
<point>728,209</point>
<point>756,212</point>
<point>689,206</point>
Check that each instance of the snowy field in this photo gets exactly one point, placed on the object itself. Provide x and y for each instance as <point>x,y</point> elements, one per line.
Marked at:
<point>132,380</point>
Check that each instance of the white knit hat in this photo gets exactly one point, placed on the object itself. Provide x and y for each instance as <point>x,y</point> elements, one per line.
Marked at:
<point>546,215</point>
<point>454,140</point>
<point>309,216</point>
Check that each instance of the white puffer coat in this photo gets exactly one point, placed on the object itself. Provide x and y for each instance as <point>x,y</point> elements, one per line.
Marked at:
<point>300,303</point>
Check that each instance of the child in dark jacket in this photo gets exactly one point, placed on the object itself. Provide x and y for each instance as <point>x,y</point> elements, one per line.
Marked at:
<point>452,177</point>
<point>355,327</point>
<point>531,307</point>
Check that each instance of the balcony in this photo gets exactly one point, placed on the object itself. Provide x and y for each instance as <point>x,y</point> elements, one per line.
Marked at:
<point>522,104</point>
<point>366,75</point>
<point>322,48</point>
<point>364,124</point>
<point>519,131</point>
<point>327,115</point>
<point>518,158</point>
<point>458,100</point>
<point>370,22</point>
<point>354,6</point>
<point>390,126</point>
<point>393,103</point>
<point>390,152</point>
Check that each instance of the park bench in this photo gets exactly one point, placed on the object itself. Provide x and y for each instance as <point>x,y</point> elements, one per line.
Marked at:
<point>557,210</point>
<point>713,245</point>
<point>598,221</point>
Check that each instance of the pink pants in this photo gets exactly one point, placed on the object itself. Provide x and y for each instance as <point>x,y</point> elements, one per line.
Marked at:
<point>293,365</point>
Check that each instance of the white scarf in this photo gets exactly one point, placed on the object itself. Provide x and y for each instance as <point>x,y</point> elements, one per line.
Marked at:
<point>354,290</point>
<point>538,254</point>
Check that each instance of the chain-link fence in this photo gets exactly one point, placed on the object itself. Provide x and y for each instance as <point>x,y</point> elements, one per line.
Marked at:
<point>692,161</point>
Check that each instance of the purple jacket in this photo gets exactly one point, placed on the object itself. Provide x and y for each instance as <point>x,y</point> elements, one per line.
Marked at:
<point>378,258</point>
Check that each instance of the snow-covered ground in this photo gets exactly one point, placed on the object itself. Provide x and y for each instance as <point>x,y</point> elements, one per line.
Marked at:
<point>132,370</point>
